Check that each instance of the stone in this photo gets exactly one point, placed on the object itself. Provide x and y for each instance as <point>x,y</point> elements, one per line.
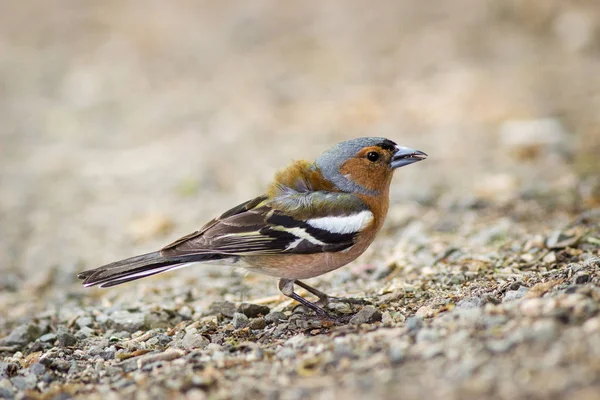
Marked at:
<point>581,278</point>
<point>414,323</point>
<point>340,307</point>
<point>8,369</point>
<point>253,310</point>
<point>84,322</point>
<point>397,352</point>
<point>193,340</point>
<point>499,345</point>
<point>24,382</point>
<point>95,350</point>
<point>275,317</point>
<point>424,312</point>
<point>225,308</point>
<point>186,312</point>
<point>367,315</point>
<point>122,320</point>
<point>37,369</point>
<point>515,294</point>
<point>470,302</point>
<point>427,335</point>
<point>22,335</point>
<point>84,332</point>
<point>108,354</point>
<point>342,350</point>
<point>65,339</point>
<point>545,330</point>
<point>6,392</point>
<point>48,337</point>
<point>257,323</point>
<point>286,352</point>
<point>239,320</point>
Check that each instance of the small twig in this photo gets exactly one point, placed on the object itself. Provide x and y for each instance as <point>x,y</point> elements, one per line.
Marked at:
<point>537,260</point>
<point>141,338</point>
<point>265,300</point>
<point>165,356</point>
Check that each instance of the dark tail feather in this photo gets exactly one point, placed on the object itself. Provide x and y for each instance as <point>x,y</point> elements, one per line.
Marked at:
<point>138,267</point>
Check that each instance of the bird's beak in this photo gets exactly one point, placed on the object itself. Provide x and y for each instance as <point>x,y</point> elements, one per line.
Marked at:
<point>405,156</point>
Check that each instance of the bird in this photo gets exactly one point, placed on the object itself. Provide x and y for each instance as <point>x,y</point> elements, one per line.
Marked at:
<point>314,217</point>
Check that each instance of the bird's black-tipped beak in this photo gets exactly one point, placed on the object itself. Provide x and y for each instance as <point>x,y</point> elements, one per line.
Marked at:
<point>405,156</point>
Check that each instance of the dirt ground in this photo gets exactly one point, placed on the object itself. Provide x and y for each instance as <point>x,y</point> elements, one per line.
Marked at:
<point>128,125</point>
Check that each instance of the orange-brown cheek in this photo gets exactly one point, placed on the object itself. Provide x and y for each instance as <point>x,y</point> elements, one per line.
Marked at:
<point>369,175</point>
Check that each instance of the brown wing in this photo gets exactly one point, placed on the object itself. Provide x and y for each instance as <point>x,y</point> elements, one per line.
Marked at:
<point>273,226</point>
<point>245,206</point>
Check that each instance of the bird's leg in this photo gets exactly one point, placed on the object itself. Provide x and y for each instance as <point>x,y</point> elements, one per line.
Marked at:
<point>286,286</point>
<point>324,298</point>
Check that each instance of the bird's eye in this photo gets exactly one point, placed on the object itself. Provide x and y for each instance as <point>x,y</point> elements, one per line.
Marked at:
<point>373,156</point>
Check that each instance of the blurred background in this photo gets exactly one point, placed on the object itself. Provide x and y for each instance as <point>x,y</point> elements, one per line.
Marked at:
<point>128,124</point>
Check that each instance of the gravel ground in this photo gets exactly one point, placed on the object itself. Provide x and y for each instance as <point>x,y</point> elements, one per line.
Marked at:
<point>123,130</point>
<point>503,312</point>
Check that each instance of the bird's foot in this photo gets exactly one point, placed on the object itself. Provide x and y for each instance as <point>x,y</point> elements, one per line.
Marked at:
<point>325,299</point>
<point>287,288</point>
<point>348,300</point>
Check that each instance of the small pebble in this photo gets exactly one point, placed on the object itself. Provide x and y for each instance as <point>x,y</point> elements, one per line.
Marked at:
<point>427,335</point>
<point>84,332</point>
<point>8,369</point>
<point>225,308</point>
<point>470,302</point>
<point>499,345</point>
<point>414,323</point>
<point>22,335</point>
<point>275,317</point>
<point>193,340</point>
<point>253,310</point>
<point>239,320</point>
<point>286,352</point>
<point>186,312</point>
<point>515,294</point>
<point>397,353</point>
<point>65,338</point>
<point>340,307</point>
<point>257,323</point>
<point>37,369</point>
<point>581,278</point>
<point>122,320</point>
<point>84,322</point>
<point>424,312</point>
<point>367,315</point>
<point>24,382</point>
<point>48,337</point>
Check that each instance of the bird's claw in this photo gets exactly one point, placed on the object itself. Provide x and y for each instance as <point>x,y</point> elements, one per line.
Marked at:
<point>348,300</point>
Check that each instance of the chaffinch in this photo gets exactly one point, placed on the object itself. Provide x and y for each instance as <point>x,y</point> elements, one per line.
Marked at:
<point>314,218</point>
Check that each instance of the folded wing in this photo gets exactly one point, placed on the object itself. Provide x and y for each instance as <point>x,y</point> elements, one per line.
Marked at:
<point>297,223</point>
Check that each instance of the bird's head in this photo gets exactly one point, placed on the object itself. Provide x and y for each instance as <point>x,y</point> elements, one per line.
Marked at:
<point>365,165</point>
